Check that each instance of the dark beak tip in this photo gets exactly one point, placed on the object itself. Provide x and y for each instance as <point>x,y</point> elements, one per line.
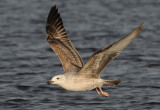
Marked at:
<point>48,82</point>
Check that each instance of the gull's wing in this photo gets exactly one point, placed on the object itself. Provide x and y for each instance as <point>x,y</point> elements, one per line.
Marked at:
<point>60,43</point>
<point>100,59</point>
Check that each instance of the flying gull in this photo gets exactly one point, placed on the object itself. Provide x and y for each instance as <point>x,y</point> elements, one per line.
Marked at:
<point>77,75</point>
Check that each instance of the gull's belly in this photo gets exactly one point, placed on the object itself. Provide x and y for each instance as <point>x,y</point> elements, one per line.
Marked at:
<point>81,84</point>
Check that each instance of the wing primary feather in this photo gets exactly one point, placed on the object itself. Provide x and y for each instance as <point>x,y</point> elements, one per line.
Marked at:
<point>60,43</point>
<point>51,17</point>
<point>103,57</point>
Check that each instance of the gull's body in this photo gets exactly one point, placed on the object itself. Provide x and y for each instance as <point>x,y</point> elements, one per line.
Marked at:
<point>77,76</point>
<point>75,83</point>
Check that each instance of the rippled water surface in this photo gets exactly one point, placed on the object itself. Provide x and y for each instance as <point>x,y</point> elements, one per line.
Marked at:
<point>27,62</point>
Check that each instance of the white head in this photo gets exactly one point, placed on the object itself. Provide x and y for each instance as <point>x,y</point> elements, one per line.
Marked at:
<point>58,79</point>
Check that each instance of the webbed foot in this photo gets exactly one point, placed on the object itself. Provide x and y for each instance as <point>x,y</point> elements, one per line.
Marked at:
<point>105,94</point>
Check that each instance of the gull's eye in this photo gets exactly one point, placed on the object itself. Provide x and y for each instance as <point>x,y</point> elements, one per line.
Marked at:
<point>57,78</point>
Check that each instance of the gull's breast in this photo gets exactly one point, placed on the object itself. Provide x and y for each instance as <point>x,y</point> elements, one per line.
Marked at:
<point>81,84</point>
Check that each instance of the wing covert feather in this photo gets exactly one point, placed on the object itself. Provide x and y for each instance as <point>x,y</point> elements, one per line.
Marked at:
<point>60,43</point>
<point>102,58</point>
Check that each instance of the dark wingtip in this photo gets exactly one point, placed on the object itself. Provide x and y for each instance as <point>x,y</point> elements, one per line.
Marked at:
<point>54,7</point>
<point>52,14</point>
<point>139,28</point>
<point>141,25</point>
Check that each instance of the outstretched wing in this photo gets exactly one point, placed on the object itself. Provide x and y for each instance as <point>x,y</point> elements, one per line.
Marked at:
<point>100,59</point>
<point>60,43</point>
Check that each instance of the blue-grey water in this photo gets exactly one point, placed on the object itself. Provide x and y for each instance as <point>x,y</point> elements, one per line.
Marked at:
<point>27,62</point>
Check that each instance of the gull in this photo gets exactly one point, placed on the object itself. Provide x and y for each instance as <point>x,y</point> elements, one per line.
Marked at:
<point>77,75</point>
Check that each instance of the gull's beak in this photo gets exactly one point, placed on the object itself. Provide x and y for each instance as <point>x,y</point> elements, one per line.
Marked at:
<point>50,82</point>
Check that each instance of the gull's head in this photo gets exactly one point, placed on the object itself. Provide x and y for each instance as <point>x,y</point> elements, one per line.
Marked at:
<point>58,79</point>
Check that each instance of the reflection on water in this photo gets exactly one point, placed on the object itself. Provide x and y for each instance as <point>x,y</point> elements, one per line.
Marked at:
<point>27,61</point>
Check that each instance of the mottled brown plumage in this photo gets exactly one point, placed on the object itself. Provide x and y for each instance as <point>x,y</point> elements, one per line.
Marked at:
<point>60,43</point>
<point>85,77</point>
<point>100,59</point>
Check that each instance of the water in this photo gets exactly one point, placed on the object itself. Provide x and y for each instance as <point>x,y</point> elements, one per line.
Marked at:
<point>27,62</point>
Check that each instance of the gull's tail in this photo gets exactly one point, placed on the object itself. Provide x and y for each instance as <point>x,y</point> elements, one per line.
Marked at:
<point>112,82</point>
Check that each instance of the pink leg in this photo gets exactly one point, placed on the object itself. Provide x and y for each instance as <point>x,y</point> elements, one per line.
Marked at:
<point>105,94</point>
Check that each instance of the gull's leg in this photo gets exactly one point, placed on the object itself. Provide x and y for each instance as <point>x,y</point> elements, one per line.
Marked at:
<point>98,92</point>
<point>105,94</point>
